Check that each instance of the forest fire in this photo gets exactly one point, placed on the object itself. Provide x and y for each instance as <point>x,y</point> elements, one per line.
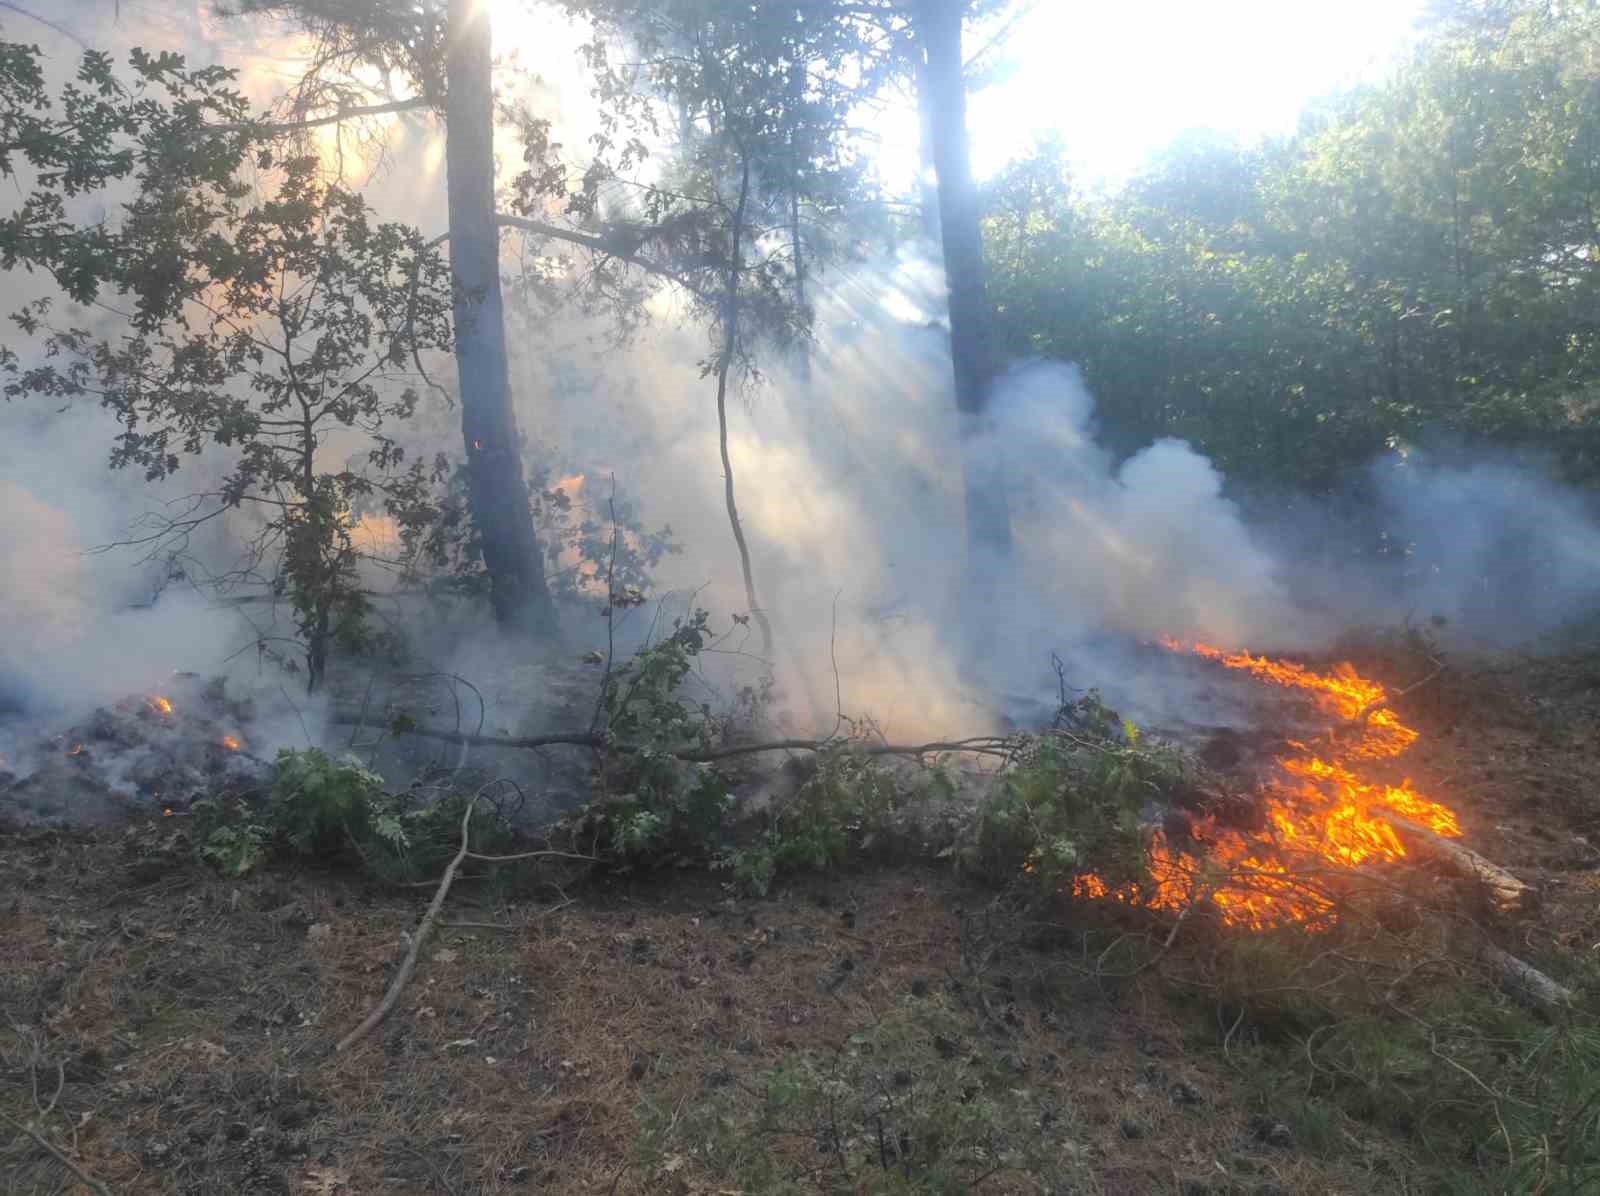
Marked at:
<point>1320,812</point>
<point>230,743</point>
<point>159,704</point>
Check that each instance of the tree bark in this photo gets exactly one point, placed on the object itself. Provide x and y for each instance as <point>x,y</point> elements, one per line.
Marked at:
<point>730,346</point>
<point>497,489</point>
<point>988,512</point>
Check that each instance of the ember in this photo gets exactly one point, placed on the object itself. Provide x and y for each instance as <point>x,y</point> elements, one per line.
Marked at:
<point>1319,809</point>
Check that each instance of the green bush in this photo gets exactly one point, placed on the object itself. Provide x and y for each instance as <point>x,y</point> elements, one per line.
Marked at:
<point>1073,802</point>
<point>332,810</point>
<point>842,809</point>
<point>656,807</point>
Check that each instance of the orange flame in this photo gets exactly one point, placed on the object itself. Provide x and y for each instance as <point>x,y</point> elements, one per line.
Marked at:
<point>75,750</point>
<point>160,705</point>
<point>1320,809</point>
<point>229,742</point>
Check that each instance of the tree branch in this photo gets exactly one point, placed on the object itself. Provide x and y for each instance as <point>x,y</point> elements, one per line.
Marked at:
<point>413,104</point>
<point>982,745</point>
<point>601,246</point>
<point>89,1181</point>
<point>386,1005</point>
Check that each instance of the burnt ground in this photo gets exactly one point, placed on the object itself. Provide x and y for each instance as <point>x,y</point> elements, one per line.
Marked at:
<point>171,1031</point>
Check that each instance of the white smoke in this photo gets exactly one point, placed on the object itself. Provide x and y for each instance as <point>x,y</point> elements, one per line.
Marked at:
<point>850,486</point>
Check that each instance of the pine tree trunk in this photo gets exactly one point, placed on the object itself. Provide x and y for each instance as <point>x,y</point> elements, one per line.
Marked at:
<point>971,322</point>
<point>497,490</point>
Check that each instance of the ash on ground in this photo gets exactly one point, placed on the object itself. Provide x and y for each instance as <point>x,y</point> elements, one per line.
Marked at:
<point>145,754</point>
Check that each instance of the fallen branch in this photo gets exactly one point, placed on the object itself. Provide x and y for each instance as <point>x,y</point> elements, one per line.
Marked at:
<point>983,745</point>
<point>1509,893</point>
<point>84,1177</point>
<point>1526,979</point>
<point>386,1005</point>
<point>1384,702</point>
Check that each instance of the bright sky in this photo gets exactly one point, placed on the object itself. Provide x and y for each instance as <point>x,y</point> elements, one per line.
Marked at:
<point>1119,80</point>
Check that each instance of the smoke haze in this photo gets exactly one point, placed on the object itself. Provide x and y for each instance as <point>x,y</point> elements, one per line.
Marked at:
<point>850,486</point>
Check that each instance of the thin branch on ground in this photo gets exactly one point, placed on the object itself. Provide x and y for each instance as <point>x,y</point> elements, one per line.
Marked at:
<point>391,997</point>
<point>84,1177</point>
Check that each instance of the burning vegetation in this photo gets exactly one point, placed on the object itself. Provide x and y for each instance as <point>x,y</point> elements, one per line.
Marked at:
<point>157,750</point>
<point>1322,810</point>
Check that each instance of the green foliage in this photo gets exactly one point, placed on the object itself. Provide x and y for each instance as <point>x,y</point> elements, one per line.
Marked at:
<point>334,811</point>
<point>585,547</point>
<point>321,805</point>
<point>1414,261</point>
<point>1074,802</point>
<point>284,322</point>
<point>658,807</point>
<point>170,122</point>
<point>839,812</point>
<point>228,838</point>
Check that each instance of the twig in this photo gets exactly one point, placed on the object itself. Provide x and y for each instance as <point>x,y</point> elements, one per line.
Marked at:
<point>410,965</point>
<point>84,1177</point>
<point>611,617</point>
<point>361,719</point>
<point>304,730</point>
<point>1378,704</point>
<point>833,659</point>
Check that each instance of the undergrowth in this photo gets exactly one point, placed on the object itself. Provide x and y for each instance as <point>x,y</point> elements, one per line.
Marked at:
<point>1076,799</point>
<point>843,811</point>
<point>1402,1028</point>
<point>1385,1017</point>
<point>333,811</point>
<point>914,1103</point>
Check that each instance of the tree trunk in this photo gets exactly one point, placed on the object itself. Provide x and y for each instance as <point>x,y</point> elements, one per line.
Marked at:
<point>927,187</point>
<point>730,346</point>
<point>497,490</point>
<point>971,322</point>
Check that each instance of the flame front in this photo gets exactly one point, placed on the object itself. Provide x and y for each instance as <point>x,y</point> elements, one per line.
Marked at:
<point>1319,810</point>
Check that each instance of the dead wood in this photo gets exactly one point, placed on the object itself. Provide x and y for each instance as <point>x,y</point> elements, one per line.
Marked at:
<point>1525,979</point>
<point>88,1181</point>
<point>386,1005</point>
<point>1510,894</point>
<point>984,745</point>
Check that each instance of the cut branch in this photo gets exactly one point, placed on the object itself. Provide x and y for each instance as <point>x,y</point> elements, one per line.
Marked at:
<point>387,1005</point>
<point>1509,893</point>
<point>1526,979</point>
<point>982,745</point>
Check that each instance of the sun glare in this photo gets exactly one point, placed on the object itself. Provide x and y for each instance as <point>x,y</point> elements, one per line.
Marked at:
<point>1119,82</point>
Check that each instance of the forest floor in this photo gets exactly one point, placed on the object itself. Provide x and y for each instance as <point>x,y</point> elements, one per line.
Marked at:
<point>170,1031</point>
